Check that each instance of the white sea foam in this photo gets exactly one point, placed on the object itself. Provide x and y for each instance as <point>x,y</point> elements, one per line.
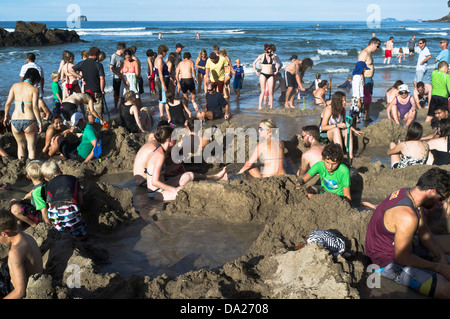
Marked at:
<point>435,33</point>
<point>332,52</point>
<point>338,70</point>
<point>119,34</point>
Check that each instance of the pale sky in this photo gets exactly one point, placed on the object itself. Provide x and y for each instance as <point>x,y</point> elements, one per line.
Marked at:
<point>229,10</point>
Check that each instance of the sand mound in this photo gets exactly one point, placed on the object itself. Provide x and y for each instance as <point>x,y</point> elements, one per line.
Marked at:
<point>271,269</point>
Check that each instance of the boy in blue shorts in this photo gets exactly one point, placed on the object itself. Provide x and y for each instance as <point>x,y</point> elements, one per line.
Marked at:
<point>238,77</point>
<point>334,175</point>
<point>64,199</point>
<point>30,209</point>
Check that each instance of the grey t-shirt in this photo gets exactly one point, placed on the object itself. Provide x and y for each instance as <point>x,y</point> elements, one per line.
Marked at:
<point>411,43</point>
<point>116,62</point>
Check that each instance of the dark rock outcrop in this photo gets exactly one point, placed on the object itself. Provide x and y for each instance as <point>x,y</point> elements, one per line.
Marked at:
<point>36,34</point>
<point>443,19</point>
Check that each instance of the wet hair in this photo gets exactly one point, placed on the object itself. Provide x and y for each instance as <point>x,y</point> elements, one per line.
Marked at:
<point>50,169</point>
<point>307,63</point>
<point>33,170</point>
<point>162,48</point>
<point>31,56</point>
<point>216,47</point>
<point>435,178</point>
<point>121,46</point>
<point>423,40</point>
<point>7,221</point>
<point>163,133</point>
<point>187,55</point>
<point>312,130</point>
<point>94,51</point>
<point>33,75</point>
<point>267,46</point>
<point>133,49</point>
<point>318,76</point>
<point>337,108</point>
<point>334,152</point>
<point>84,54</point>
<point>202,51</point>
<point>414,132</point>
<point>150,53</point>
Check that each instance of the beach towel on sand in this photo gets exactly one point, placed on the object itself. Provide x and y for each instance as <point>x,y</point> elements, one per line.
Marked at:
<point>328,239</point>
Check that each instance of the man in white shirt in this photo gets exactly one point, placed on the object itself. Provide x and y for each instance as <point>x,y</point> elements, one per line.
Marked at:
<point>31,57</point>
<point>422,61</point>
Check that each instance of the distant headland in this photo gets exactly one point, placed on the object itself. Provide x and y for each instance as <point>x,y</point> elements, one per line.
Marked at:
<point>443,19</point>
<point>36,34</point>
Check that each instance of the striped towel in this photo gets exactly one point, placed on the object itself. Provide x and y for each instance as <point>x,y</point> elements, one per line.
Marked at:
<point>328,239</point>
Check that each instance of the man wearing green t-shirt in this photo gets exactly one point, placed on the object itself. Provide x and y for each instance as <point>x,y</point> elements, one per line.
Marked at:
<point>83,151</point>
<point>440,81</point>
<point>334,176</point>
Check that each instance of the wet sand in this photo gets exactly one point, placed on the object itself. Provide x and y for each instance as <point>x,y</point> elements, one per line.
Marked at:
<point>228,239</point>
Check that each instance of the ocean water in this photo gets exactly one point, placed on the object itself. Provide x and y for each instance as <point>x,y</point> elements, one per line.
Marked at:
<point>333,46</point>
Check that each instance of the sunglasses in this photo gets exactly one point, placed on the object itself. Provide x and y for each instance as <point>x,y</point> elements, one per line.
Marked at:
<point>443,198</point>
<point>261,128</point>
<point>306,135</point>
<point>402,92</point>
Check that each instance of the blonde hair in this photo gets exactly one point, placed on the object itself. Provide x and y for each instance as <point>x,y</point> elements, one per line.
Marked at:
<point>55,75</point>
<point>50,169</point>
<point>33,170</point>
<point>237,60</point>
<point>270,124</point>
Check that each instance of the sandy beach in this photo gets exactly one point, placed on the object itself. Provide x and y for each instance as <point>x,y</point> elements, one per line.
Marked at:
<point>279,215</point>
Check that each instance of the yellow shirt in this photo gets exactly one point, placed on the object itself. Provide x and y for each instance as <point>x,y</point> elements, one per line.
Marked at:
<point>217,70</point>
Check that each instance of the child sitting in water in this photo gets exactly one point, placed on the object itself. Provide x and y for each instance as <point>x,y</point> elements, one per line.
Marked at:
<point>29,209</point>
<point>334,175</point>
<point>64,198</point>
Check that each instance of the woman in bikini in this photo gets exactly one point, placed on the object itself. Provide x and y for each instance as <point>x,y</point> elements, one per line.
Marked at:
<point>332,121</point>
<point>271,149</point>
<point>25,120</point>
<point>319,94</point>
<point>266,76</point>
<point>412,151</point>
<point>71,84</point>
<point>129,75</point>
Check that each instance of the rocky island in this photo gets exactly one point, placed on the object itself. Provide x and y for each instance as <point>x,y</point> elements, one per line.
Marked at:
<point>36,34</point>
<point>443,19</point>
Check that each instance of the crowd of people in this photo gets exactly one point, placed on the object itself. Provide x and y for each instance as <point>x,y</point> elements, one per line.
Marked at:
<point>79,107</point>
